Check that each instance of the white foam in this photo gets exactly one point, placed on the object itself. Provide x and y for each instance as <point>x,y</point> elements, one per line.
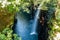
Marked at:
<point>33,33</point>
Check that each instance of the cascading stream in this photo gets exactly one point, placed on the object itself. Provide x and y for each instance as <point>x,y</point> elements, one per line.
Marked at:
<point>35,22</point>
<point>34,25</point>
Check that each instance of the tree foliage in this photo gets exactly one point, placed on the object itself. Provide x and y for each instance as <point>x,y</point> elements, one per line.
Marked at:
<point>7,34</point>
<point>14,5</point>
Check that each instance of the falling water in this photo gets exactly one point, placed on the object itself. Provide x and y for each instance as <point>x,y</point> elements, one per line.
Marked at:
<point>35,22</point>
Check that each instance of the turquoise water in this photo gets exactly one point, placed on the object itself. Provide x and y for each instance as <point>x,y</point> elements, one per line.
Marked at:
<point>24,27</point>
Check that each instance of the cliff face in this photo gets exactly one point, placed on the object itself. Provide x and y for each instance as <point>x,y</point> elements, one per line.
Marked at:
<point>6,19</point>
<point>43,26</point>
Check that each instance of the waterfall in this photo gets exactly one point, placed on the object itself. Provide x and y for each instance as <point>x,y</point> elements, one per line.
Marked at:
<point>34,25</point>
<point>23,26</point>
<point>35,22</point>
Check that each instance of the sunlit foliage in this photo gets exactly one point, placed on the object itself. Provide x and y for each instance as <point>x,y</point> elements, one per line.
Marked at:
<point>54,20</point>
<point>7,34</point>
<point>14,5</point>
